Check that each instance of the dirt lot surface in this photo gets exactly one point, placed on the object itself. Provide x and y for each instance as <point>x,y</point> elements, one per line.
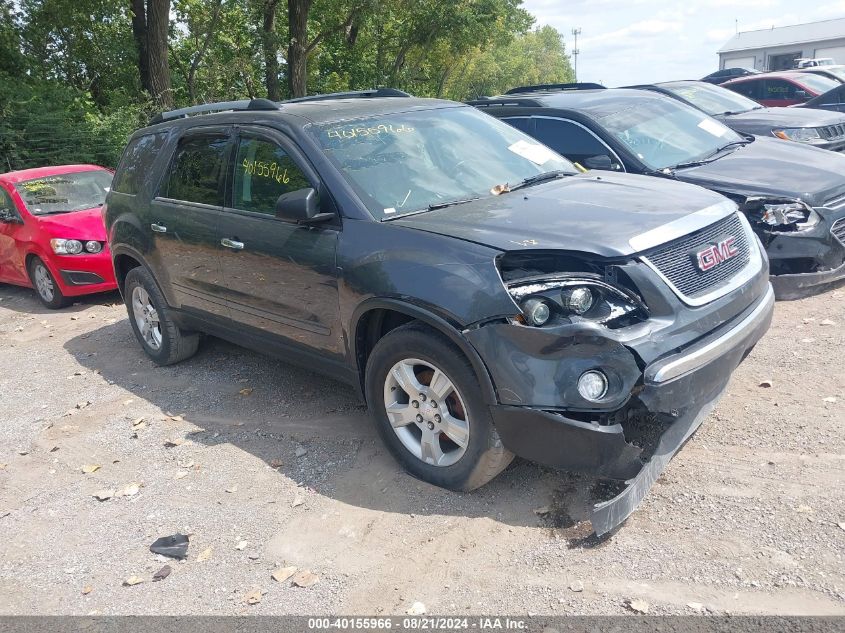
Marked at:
<point>265,466</point>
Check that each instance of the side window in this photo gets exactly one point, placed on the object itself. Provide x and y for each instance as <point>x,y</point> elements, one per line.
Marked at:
<point>571,140</point>
<point>521,123</point>
<point>7,207</point>
<point>195,173</point>
<point>750,89</point>
<point>778,89</point>
<point>136,162</point>
<point>263,172</point>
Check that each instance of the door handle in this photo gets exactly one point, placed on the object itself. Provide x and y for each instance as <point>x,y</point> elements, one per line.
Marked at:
<point>158,228</point>
<point>238,246</point>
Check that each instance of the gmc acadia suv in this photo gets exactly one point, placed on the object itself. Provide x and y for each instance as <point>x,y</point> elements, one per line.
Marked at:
<point>485,297</point>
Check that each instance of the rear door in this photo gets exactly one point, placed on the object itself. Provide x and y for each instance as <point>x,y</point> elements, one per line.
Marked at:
<point>184,220</point>
<point>280,278</point>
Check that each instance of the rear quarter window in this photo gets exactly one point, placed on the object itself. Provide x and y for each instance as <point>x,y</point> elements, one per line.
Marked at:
<point>137,162</point>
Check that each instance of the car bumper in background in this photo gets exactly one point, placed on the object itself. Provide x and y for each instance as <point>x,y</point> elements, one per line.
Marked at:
<point>675,394</point>
<point>822,250</point>
<point>84,274</point>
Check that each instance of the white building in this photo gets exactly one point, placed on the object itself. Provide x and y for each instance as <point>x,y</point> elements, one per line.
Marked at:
<point>777,48</point>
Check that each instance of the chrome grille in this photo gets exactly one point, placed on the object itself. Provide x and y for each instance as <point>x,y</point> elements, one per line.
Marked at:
<point>676,261</point>
<point>838,230</point>
<point>832,131</point>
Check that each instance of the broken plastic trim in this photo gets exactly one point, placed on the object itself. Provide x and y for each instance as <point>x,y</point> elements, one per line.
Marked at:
<point>779,214</point>
<point>609,514</point>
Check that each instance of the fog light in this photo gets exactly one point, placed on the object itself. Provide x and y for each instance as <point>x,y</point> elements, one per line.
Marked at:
<point>93,246</point>
<point>537,311</point>
<point>592,385</point>
<point>577,300</point>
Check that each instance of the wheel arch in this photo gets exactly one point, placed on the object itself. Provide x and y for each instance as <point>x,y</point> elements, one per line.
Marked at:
<point>376,317</point>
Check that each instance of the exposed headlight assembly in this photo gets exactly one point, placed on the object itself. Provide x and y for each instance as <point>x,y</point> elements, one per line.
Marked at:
<point>566,299</point>
<point>799,134</point>
<point>782,214</point>
<point>75,247</point>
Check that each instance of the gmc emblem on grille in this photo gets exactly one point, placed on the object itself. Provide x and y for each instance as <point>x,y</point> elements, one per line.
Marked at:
<point>716,254</point>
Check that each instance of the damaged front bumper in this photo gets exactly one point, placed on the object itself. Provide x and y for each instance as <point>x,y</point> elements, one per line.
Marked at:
<point>808,262</point>
<point>678,390</point>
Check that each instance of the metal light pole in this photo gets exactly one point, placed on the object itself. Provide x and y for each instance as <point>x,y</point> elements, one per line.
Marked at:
<point>576,32</point>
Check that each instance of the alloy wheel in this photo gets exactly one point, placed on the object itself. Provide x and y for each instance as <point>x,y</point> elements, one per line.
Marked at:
<point>426,412</point>
<point>146,317</point>
<point>43,282</point>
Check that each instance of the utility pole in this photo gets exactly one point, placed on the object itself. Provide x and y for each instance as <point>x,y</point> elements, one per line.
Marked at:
<point>575,32</point>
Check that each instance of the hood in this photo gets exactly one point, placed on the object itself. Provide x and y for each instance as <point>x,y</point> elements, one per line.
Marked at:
<point>80,225</point>
<point>600,213</point>
<point>770,166</point>
<point>771,118</point>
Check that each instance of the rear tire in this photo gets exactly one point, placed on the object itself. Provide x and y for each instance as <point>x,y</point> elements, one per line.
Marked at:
<point>149,315</point>
<point>427,405</point>
<point>45,285</point>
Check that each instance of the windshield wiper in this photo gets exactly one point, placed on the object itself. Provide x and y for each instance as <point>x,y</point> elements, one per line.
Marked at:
<point>443,205</point>
<point>709,158</point>
<point>55,212</point>
<point>534,180</point>
<point>721,149</point>
<point>431,207</point>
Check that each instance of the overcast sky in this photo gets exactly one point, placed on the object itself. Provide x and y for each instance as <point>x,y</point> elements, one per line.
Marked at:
<point>637,41</point>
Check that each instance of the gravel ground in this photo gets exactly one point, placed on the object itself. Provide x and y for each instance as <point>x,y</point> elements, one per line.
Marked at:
<point>232,447</point>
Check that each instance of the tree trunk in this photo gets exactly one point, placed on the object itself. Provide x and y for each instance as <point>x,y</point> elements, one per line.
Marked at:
<point>270,43</point>
<point>158,21</point>
<point>297,53</point>
<point>139,32</point>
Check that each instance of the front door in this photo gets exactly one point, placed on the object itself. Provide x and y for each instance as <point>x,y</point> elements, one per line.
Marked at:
<point>280,278</point>
<point>183,219</point>
<point>12,266</point>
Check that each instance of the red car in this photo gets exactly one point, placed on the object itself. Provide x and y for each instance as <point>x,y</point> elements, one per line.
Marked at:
<point>782,88</point>
<point>52,236</point>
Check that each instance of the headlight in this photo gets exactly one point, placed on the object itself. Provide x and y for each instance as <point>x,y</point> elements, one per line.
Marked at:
<point>75,247</point>
<point>66,247</point>
<point>93,246</point>
<point>565,299</point>
<point>782,214</point>
<point>799,134</point>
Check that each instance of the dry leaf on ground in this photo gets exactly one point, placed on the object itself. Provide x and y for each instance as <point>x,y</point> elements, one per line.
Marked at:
<point>283,573</point>
<point>305,578</point>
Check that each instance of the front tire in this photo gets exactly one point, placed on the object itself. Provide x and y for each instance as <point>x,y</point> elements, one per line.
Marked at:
<point>427,406</point>
<point>162,340</point>
<point>45,285</point>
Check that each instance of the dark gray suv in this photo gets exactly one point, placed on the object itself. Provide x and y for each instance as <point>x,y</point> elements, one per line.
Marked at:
<point>485,298</point>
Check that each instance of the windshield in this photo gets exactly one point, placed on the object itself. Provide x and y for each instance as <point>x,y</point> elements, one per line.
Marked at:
<point>663,133</point>
<point>817,83</point>
<point>714,100</point>
<point>404,162</point>
<point>63,193</point>
<point>836,71</point>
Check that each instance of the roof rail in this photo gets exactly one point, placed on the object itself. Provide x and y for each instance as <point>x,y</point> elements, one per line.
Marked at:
<point>222,106</point>
<point>352,94</point>
<point>503,101</point>
<point>550,87</point>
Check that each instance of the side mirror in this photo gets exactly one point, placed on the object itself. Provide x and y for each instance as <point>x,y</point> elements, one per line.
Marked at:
<point>301,206</point>
<point>602,161</point>
<point>9,217</point>
<point>801,94</point>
